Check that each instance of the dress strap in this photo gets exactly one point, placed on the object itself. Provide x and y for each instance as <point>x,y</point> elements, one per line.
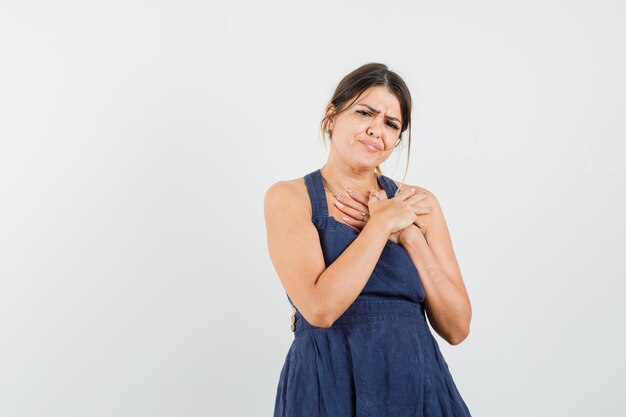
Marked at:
<point>317,195</point>
<point>388,184</point>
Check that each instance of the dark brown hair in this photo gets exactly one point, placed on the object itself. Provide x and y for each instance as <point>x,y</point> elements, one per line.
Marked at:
<point>359,80</point>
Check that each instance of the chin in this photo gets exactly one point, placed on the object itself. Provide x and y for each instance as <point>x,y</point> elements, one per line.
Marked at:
<point>366,165</point>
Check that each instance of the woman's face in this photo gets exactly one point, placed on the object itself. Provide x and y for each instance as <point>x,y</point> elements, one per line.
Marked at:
<point>365,134</point>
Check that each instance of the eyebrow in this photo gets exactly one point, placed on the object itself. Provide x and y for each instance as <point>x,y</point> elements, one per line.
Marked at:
<point>373,110</point>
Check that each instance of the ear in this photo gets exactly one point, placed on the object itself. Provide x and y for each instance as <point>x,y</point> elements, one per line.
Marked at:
<point>330,111</point>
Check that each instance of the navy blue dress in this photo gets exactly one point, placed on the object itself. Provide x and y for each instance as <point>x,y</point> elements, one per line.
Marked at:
<point>379,359</point>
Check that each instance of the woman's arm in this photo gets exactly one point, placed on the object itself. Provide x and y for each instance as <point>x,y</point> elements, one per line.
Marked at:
<point>321,294</point>
<point>447,302</point>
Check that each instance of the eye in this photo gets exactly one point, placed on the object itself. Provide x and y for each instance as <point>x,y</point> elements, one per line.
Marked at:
<point>364,113</point>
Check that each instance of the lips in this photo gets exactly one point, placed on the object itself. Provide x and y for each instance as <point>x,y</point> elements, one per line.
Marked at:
<point>370,146</point>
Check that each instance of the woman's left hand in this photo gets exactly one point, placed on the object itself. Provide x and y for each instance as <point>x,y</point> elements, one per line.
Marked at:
<point>356,204</point>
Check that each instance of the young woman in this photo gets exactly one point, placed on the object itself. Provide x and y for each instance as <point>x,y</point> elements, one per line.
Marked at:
<point>362,272</point>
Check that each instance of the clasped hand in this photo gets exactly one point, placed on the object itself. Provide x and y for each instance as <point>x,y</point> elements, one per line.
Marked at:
<point>355,204</point>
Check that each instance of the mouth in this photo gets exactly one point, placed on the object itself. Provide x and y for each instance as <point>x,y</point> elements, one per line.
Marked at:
<point>370,146</point>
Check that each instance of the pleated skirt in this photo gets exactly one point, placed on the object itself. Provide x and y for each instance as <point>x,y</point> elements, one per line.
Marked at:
<point>378,359</point>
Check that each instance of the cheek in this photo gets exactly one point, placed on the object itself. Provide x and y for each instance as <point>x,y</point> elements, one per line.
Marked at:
<point>393,141</point>
<point>389,145</point>
<point>349,126</point>
<point>352,130</point>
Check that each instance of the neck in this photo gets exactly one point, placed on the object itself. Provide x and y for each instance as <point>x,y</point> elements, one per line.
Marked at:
<point>343,177</point>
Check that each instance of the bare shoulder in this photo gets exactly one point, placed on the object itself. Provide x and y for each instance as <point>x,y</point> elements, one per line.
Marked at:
<point>294,245</point>
<point>290,193</point>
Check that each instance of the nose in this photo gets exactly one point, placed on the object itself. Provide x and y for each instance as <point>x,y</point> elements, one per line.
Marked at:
<point>374,129</point>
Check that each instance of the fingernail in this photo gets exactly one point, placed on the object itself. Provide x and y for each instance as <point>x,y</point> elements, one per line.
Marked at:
<point>338,196</point>
<point>338,204</point>
<point>423,192</point>
<point>349,190</point>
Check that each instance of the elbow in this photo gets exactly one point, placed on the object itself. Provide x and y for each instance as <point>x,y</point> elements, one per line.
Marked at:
<point>461,331</point>
<point>318,316</point>
<point>320,320</point>
<point>458,337</point>
<point>323,324</point>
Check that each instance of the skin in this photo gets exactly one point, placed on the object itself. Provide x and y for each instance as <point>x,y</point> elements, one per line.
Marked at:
<point>429,244</point>
<point>412,219</point>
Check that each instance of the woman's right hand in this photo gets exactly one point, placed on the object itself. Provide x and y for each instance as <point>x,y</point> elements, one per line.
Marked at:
<point>398,212</point>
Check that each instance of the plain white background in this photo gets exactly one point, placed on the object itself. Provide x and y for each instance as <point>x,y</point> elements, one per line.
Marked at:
<point>137,140</point>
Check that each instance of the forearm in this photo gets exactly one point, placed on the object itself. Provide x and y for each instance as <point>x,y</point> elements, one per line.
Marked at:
<point>342,282</point>
<point>448,306</point>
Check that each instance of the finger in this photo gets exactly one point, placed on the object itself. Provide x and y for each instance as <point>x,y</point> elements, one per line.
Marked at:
<point>353,222</point>
<point>356,196</point>
<point>405,194</point>
<point>354,213</point>
<point>357,205</point>
<point>414,196</point>
<point>374,195</point>
<point>382,194</point>
<point>372,200</point>
<point>423,209</point>
<point>417,195</point>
